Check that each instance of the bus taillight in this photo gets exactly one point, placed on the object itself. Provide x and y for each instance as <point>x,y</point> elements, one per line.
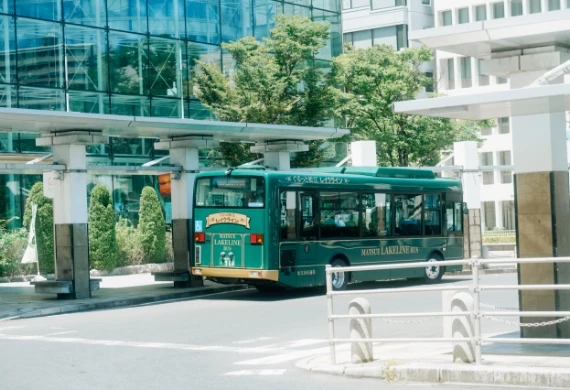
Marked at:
<point>256,239</point>
<point>200,237</point>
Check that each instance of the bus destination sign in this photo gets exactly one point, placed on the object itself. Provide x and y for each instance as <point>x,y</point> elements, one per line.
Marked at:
<point>228,218</point>
<point>316,180</point>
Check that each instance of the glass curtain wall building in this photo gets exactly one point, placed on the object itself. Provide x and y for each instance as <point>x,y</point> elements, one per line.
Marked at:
<point>124,57</point>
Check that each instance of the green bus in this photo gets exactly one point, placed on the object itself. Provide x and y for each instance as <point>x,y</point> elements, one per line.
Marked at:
<point>275,229</point>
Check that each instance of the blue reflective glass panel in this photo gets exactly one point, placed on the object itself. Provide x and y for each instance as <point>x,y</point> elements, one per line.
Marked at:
<point>166,18</point>
<point>198,52</point>
<point>89,102</point>
<point>87,12</point>
<point>265,11</point>
<point>164,74</point>
<point>40,53</point>
<point>86,58</point>
<point>127,62</point>
<point>45,9</point>
<point>42,99</point>
<point>166,108</point>
<point>235,19</point>
<point>130,105</point>
<point>8,50</point>
<point>203,21</point>
<point>127,15</point>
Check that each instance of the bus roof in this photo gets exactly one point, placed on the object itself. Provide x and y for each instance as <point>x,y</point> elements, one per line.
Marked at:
<point>349,176</point>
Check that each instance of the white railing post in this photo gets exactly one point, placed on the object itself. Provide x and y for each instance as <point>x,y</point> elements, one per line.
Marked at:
<point>476,310</point>
<point>361,331</point>
<point>328,276</point>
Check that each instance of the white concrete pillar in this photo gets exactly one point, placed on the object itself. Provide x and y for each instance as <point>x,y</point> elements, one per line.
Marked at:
<point>474,72</point>
<point>544,6</point>
<point>363,153</point>
<point>184,153</point>
<point>457,75</point>
<point>498,214</point>
<point>70,210</point>
<point>466,156</point>
<point>277,154</point>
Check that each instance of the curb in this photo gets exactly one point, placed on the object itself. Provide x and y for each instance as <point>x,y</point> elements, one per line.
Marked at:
<point>121,303</point>
<point>447,373</point>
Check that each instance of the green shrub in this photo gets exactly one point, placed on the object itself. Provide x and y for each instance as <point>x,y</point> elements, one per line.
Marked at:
<point>44,227</point>
<point>152,227</point>
<point>129,243</point>
<point>102,238</point>
<point>12,246</point>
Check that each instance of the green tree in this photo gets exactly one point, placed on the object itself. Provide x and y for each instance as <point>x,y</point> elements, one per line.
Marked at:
<point>102,236</point>
<point>276,81</point>
<point>372,80</point>
<point>44,226</point>
<point>152,226</point>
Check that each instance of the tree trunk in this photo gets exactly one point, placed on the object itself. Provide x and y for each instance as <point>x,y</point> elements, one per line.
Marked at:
<point>403,157</point>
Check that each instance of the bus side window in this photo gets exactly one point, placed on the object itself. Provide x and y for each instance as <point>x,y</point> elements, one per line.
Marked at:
<point>307,220</point>
<point>288,201</point>
<point>376,210</point>
<point>454,218</point>
<point>408,215</point>
<point>432,215</point>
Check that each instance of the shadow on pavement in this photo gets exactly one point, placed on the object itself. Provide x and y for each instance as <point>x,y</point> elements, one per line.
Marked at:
<point>288,294</point>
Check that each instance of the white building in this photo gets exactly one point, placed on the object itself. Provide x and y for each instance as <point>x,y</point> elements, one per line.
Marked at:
<point>372,22</point>
<point>367,22</point>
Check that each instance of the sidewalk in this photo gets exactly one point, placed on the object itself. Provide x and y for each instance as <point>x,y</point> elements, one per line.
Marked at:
<point>19,300</point>
<point>502,364</point>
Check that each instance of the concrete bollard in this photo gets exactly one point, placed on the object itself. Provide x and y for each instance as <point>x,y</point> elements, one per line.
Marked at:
<point>463,327</point>
<point>360,329</point>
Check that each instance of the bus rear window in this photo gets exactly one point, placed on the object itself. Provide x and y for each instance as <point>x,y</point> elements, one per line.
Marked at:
<point>230,192</point>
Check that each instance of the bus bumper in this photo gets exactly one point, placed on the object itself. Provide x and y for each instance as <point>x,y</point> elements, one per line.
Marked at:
<point>232,273</point>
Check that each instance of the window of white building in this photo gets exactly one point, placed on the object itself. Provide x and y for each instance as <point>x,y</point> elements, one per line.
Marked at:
<point>508,207</point>
<point>505,159</point>
<point>489,210</point>
<point>445,18</point>
<point>516,7</point>
<point>463,15</point>
<point>450,73</point>
<point>486,158</point>
<point>504,126</point>
<point>480,13</point>
<point>428,2</point>
<point>488,178</point>
<point>553,5</point>
<point>502,80</point>
<point>396,36</point>
<point>498,10</point>
<point>378,4</point>
<point>534,6</point>
<point>465,63</point>
<point>483,78</point>
<point>348,4</point>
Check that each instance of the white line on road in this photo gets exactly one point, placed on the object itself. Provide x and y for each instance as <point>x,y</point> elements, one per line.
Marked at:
<point>59,333</point>
<point>286,357</point>
<point>256,372</point>
<point>182,347</point>
<point>254,340</point>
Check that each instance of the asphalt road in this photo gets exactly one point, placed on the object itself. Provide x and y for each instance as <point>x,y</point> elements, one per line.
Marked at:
<point>239,340</point>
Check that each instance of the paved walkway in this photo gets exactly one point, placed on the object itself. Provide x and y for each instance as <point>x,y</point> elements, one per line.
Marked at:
<point>19,300</point>
<point>544,365</point>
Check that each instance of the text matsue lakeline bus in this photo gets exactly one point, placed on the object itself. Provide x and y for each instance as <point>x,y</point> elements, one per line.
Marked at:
<point>273,229</point>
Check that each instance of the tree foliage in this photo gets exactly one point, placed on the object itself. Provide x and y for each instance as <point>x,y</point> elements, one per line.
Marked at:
<point>152,226</point>
<point>43,225</point>
<point>102,237</point>
<point>276,81</point>
<point>372,80</point>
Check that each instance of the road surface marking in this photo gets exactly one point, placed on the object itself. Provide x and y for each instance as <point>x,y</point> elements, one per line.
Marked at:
<point>136,344</point>
<point>59,333</point>
<point>286,357</point>
<point>256,372</point>
<point>254,340</point>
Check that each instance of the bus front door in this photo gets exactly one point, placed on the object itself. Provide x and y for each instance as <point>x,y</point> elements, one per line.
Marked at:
<point>306,267</point>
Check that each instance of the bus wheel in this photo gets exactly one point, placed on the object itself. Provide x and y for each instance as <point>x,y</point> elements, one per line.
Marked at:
<point>339,279</point>
<point>433,274</point>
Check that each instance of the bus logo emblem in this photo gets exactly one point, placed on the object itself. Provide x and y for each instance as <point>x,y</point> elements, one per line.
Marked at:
<point>228,218</point>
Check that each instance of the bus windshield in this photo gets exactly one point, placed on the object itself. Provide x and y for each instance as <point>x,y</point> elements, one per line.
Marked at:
<point>230,192</point>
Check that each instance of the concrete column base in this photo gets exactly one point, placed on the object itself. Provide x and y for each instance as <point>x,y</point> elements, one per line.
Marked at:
<point>183,253</point>
<point>72,259</point>
<point>543,228</point>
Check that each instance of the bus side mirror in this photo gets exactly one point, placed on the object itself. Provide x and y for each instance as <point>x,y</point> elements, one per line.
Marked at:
<point>465,209</point>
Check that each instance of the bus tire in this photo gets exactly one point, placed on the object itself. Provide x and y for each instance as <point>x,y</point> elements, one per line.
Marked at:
<point>433,274</point>
<point>340,279</point>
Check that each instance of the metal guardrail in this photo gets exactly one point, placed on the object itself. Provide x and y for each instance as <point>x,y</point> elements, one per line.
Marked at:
<point>477,314</point>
